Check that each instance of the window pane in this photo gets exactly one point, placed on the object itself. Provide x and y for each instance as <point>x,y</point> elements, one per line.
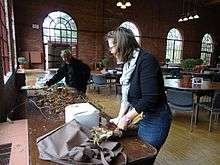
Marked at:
<point>60,30</point>
<point>133,28</point>
<point>206,49</point>
<point>46,31</point>
<point>174,46</point>
<point>60,27</point>
<point>63,33</point>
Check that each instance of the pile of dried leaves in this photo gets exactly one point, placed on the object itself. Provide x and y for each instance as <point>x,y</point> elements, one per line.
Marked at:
<point>52,101</point>
<point>110,131</point>
<point>100,134</point>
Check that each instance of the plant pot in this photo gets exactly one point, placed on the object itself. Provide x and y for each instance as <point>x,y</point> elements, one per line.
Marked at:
<point>23,66</point>
<point>186,79</point>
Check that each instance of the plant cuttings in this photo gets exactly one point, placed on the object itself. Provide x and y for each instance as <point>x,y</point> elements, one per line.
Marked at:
<point>52,101</point>
<point>110,131</point>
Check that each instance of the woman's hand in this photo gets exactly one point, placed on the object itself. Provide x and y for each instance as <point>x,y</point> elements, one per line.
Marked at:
<point>123,122</point>
<point>115,120</point>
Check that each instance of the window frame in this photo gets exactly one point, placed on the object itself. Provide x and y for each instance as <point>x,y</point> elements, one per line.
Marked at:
<point>174,46</point>
<point>60,22</point>
<point>207,48</point>
<point>133,27</point>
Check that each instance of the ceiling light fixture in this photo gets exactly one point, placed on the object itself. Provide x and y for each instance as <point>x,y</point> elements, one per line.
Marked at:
<point>123,4</point>
<point>189,10</point>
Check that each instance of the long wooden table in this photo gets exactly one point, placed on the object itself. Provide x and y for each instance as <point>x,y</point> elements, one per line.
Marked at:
<point>198,90</point>
<point>136,151</point>
<point>182,85</point>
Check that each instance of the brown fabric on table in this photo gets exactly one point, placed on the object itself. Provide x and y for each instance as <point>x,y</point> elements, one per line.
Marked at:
<point>70,144</point>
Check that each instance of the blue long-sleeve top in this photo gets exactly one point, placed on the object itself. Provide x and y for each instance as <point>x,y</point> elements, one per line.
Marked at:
<point>147,91</point>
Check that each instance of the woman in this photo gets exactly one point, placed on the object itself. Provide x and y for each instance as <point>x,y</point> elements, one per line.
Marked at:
<point>142,89</point>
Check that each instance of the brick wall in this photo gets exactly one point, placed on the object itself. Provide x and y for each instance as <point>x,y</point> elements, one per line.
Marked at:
<point>2,109</point>
<point>154,19</point>
<point>87,14</point>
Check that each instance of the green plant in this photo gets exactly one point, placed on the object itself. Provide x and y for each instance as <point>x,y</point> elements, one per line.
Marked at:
<point>167,60</point>
<point>188,64</point>
<point>22,60</point>
<point>198,61</point>
<point>106,61</point>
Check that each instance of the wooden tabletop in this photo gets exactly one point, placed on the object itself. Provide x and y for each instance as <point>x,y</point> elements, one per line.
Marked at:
<point>135,150</point>
<point>181,84</point>
<point>197,73</point>
<point>214,69</point>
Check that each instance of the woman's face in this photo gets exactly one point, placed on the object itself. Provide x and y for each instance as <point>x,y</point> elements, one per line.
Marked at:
<point>113,49</point>
<point>112,46</point>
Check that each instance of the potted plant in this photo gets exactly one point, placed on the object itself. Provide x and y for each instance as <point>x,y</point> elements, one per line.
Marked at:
<point>199,66</point>
<point>23,62</point>
<point>167,61</point>
<point>188,64</point>
<point>198,61</point>
<point>106,62</point>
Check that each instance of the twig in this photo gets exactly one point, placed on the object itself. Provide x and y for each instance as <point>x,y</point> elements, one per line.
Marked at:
<point>39,109</point>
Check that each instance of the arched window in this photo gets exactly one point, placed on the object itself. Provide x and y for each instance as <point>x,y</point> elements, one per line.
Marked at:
<point>133,27</point>
<point>207,49</point>
<point>59,32</point>
<point>174,46</point>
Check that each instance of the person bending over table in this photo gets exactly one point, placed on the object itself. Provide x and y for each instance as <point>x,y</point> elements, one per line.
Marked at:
<point>142,89</point>
<point>76,72</point>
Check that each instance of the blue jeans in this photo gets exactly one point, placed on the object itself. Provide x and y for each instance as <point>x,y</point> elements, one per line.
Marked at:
<point>154,127</point>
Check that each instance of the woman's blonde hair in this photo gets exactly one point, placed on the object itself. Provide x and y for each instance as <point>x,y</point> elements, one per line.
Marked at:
<point>124,41</point>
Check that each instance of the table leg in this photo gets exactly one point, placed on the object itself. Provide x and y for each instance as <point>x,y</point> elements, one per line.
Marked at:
<point>197,98</point>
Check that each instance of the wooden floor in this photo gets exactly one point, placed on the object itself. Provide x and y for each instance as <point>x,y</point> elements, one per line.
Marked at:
<point>182,147</point>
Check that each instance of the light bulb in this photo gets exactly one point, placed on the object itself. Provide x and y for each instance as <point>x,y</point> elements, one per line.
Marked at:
<point>180,20</point>
<point>119,4</point>
<point>123,7</point>
<point>190,17</point>
<point>128,4</point>
<point>185,19</point>
<point>196,16</point>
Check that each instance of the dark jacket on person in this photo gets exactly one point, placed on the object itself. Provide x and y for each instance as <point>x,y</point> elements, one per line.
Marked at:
<point>147,91</point>
<point>76,75</point>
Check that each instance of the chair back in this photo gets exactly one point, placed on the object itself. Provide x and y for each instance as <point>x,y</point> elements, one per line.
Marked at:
<point>216,77</point>
<point>180,98</point>
<point>175,73</point>
<point>216,102</point>
<point>99,79</point>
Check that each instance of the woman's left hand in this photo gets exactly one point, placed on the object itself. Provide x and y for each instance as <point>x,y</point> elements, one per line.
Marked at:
<point>122,124</point>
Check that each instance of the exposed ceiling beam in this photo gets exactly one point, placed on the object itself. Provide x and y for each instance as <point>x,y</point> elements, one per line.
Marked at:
<point>211,2</point>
